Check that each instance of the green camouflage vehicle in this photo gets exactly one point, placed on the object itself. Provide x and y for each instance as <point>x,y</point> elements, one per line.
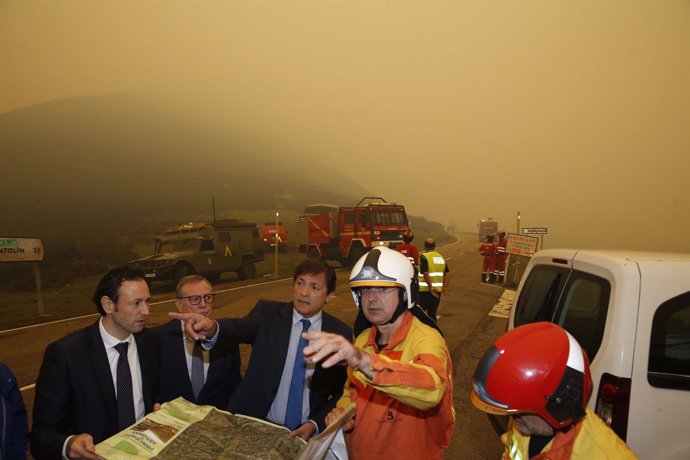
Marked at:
<point>205,249</point>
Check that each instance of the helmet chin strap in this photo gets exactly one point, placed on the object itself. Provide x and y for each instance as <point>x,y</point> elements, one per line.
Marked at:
<point>402,306</point>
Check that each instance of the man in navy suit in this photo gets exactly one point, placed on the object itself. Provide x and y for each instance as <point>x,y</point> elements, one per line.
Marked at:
<point>220,366</point>
<point>274,329</point>
<point>76,404</point>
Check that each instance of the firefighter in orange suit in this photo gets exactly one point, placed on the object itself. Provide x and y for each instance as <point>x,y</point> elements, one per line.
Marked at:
<point>400,374</point>
<point>544,390</point>
<point>488,250</point>
<point>501,256</point>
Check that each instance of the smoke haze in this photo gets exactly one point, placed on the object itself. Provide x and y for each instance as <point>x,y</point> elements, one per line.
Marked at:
<point>575,114</point>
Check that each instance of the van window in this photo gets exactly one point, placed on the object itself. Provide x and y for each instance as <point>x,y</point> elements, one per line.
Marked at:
<point>539,295</point>
<point>224,237</point>
<point>207,245</point>
<point>582,310</point>
<point>669,351</point>
<point>575,300</point>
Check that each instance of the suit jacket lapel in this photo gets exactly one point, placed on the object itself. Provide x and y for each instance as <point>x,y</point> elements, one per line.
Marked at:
<point>148,364</point>
<point>176,346</point>
<point>97,359</point>
<point>280,339</point>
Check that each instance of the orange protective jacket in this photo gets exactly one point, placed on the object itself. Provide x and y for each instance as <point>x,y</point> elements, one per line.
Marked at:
<point>406,411</point>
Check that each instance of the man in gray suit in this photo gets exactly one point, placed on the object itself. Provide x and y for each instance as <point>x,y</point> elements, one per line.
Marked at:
<point>204,377</point>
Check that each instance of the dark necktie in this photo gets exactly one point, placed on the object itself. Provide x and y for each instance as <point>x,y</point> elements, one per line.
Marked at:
<point>125,398</point>
<point>293,413</point>
<point>197,369</point>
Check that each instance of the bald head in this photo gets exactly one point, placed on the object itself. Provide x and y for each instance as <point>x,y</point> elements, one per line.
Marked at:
<point>429,243</point>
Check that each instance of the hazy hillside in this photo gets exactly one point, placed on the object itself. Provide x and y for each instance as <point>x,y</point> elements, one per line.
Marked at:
<point>95,177</point>
<point>84,165</point>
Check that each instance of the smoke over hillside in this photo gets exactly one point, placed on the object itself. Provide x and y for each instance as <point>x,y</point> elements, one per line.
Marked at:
<point>90,165</point>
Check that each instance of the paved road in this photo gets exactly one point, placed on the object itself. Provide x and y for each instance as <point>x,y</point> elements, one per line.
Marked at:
<point>464,319</point>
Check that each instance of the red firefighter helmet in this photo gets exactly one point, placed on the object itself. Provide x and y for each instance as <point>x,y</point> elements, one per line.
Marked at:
<point>537,368</point>
<point>408,236</point>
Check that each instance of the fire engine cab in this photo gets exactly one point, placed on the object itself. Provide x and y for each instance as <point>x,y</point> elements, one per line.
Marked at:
<point>346,233</point>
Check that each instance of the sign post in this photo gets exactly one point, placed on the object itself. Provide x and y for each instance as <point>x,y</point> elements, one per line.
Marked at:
<point>520,248</point>
<point>275,241</point>
<point>25,250</point>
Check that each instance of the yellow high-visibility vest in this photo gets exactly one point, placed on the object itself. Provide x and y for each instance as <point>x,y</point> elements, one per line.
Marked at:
<point>437,267</point>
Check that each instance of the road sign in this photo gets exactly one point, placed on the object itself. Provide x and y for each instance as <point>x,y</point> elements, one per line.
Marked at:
<point>521,245</point>
<point>20,249</point>
<point>535,230</point>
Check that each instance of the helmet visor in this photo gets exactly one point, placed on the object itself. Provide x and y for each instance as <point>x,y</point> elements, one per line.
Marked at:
<point>481,398</point>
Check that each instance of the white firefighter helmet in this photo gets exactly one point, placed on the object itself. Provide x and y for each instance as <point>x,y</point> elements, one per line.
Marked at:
<point>382,267</point>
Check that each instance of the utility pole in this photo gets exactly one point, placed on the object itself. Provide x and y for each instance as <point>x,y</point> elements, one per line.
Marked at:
<point>275,241</point>
<point>518,223</point>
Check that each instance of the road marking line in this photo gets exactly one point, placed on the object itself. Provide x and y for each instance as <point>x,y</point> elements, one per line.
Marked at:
<point>31,326</point>
<point>504,304</point>
<point>27,387</point>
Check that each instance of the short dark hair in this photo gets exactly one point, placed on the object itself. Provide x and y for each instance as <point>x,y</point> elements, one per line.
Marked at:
<point>111,282</point>
<point>314,266</point>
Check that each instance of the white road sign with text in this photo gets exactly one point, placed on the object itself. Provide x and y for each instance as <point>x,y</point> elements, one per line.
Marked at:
<point>20,249</point>
<point>521,245</point>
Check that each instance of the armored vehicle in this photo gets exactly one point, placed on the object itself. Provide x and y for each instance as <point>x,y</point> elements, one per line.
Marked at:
<point>205,249</point>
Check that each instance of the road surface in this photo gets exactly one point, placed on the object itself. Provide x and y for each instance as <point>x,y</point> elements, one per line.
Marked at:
<point>464,318</point>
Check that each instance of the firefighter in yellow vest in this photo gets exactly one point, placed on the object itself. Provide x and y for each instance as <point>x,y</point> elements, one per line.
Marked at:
<point>539,375</point>
<point>434,277</point>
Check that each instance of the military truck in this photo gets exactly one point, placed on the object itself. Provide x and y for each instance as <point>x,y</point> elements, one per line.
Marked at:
<point>207,249</point>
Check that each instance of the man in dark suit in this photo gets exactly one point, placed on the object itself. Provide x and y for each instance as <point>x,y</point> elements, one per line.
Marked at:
<point>219,367</point>
<point>275,331</point>
<point>91,385</point>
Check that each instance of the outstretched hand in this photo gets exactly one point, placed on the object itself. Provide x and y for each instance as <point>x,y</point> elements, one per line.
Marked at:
<point>196,326</point>
<point>331,349</point>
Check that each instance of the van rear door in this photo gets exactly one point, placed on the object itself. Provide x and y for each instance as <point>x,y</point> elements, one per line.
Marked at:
<point>660,394</point>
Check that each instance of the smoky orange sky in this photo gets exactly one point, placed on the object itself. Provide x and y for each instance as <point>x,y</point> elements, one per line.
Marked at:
<point>576,114</point>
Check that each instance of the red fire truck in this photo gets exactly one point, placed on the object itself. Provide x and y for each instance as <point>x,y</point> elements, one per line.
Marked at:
<point>346,233</point>
<point>487,227</point>
<point>270,234</point>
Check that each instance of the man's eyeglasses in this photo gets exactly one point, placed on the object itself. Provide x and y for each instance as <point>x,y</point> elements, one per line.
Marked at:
<point>377,290</point>
<point>196,299</point>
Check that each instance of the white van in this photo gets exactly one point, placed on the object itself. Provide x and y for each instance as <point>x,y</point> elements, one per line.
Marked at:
<point>631,313</point>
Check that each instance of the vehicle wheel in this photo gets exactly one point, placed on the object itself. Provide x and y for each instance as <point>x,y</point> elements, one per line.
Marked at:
<point>313,253</point>
<point>247,270</point>
<point>355,254</point>
<point>182,270</point>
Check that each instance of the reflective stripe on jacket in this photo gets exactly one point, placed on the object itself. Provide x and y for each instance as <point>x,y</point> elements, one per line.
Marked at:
<point>437,267</point>
<point>587,440</point>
